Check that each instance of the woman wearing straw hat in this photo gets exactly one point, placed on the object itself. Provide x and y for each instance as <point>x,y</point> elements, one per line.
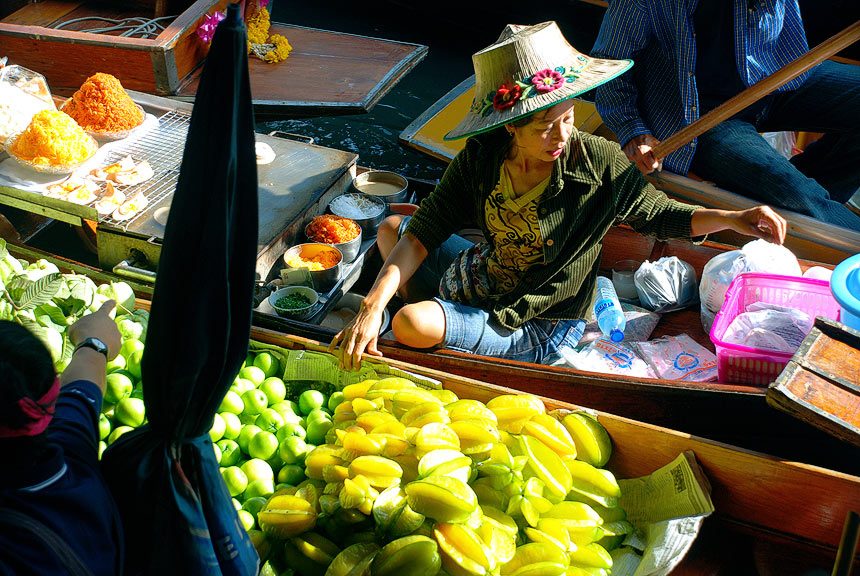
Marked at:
<point>543,195</point>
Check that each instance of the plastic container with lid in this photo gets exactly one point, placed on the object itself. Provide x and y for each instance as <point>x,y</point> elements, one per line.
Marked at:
<point>23,93</point>
<point>845,285</point>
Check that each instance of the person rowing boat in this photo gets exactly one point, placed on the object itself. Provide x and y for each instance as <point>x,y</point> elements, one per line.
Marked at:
<point>543,195</point>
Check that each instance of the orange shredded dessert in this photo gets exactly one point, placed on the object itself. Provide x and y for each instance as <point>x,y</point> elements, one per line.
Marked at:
<point>52,138</point>
<point>322,261</point>
<point>102,105</point>
<point>332,229</point>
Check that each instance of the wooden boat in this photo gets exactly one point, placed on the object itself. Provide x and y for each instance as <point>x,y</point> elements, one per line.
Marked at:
<point>807,237</point>
<point>327,72</point>
<point>734,413</point>
<point>772,517</point>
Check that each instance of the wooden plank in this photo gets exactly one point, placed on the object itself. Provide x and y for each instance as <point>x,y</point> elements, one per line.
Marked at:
<point>42,13</point>
<point>821,384</point>
<point>758,491</point>
<point>327,72</point>
<point>67,67</point>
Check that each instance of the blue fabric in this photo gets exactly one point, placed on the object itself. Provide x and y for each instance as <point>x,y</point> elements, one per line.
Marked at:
<point>70,497</point>
<point>816,182</point>
<point>470,329</point>
<point>660,96</point>
<point>717,77</point>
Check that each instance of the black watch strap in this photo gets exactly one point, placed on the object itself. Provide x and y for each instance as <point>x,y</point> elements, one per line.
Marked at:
<point>95,344</point>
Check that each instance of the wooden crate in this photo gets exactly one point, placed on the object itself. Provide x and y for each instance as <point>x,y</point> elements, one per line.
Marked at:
<point>67,57</point>
<point>821,384</point>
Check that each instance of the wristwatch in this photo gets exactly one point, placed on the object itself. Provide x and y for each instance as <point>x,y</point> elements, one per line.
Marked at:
<point>93,343</point>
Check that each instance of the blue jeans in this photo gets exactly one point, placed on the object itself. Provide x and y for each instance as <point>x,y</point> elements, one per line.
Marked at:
<point>817,182</point>
<point>470,329</point>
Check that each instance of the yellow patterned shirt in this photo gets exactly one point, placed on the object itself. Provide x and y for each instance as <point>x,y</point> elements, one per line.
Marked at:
<point>513,227</point>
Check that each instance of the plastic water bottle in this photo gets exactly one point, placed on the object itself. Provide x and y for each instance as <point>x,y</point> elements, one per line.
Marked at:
<point>607,310</point>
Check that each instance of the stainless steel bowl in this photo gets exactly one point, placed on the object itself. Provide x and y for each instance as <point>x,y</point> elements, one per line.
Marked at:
<point>388,186</point>
<point>349,249</point>
<point>297,313</point>
<point>323,280</point>
<point>367,211</point>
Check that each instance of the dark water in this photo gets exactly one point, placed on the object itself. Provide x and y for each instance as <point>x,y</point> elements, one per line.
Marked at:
<point>451,31</point>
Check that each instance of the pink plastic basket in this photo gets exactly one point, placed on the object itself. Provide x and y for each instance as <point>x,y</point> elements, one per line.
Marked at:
<point>746,365</point>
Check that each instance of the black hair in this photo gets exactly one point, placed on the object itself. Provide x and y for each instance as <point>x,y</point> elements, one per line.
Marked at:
<point>26,369</point>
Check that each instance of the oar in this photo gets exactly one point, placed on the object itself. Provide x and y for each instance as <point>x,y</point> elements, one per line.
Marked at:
<point>759,90</point>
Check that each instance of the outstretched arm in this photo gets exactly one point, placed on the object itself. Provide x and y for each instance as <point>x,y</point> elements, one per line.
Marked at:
<point>759,221</point>
<point>88,364</point>
<point>361,333</point>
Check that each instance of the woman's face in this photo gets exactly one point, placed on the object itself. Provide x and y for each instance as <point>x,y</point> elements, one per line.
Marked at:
<point>545,137</point>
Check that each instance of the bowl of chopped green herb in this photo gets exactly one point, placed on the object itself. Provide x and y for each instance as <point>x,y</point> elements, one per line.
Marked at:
<point>294,301</point>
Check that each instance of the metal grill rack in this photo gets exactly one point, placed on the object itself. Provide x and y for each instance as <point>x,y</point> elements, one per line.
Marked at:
<point>162,147</point>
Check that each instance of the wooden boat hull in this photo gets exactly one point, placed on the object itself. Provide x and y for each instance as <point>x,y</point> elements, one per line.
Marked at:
<point>733,413</point>
<point>767,508</point>
<point>807,238</point>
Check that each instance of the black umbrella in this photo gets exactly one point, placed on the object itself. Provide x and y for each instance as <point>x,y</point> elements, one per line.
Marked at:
<point>176,511</point>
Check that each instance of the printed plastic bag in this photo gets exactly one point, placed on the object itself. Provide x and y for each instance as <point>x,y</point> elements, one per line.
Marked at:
<point>640,324</point>
<point>605,356</point>
<point>679,358</point>
<point>665,285</point>
<point>769,327</point>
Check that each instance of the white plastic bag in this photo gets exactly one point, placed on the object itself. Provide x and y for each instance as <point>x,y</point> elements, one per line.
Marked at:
<point>679,358</point>
<point>782,142</point>
<point>764,256</point>
<point>665,285</point>
<point>769,327</point>
<point>605,356</point>
<point>756,256</point>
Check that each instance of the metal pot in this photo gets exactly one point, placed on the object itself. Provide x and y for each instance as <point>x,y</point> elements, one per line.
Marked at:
<point>349,249</point>
<point>323,280</point>
<point>367,211</point>
<point>388,186</point>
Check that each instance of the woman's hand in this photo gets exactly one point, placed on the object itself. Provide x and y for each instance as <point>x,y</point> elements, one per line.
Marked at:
<point>639,150</point>
<point>761,222</point>
<point>358,336</point>
<point>98,325</point>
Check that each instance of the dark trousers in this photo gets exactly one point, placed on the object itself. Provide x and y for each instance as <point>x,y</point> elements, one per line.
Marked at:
<point>817,182</point>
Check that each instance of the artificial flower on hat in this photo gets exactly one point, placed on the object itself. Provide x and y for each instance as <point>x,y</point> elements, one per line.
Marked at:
<point>529,68</point>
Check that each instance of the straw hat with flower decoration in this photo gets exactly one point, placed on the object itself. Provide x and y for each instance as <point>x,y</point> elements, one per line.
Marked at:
<point>527,69</point>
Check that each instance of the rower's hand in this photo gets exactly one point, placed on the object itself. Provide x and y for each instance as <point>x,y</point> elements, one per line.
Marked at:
<point>358,336</point>
<point>761,222</point>
<point>640,151</point>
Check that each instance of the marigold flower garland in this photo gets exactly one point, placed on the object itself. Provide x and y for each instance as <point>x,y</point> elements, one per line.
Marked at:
<point>271,49</point>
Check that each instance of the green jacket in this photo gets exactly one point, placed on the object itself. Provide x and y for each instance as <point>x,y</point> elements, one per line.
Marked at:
<point>593,187</point>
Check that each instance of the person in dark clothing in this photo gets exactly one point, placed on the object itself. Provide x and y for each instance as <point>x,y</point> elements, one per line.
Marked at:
<point>693,56</point>
<point>49,442</point>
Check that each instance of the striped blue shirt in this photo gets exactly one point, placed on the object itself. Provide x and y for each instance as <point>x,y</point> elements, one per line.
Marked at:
<point>660,96</point>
